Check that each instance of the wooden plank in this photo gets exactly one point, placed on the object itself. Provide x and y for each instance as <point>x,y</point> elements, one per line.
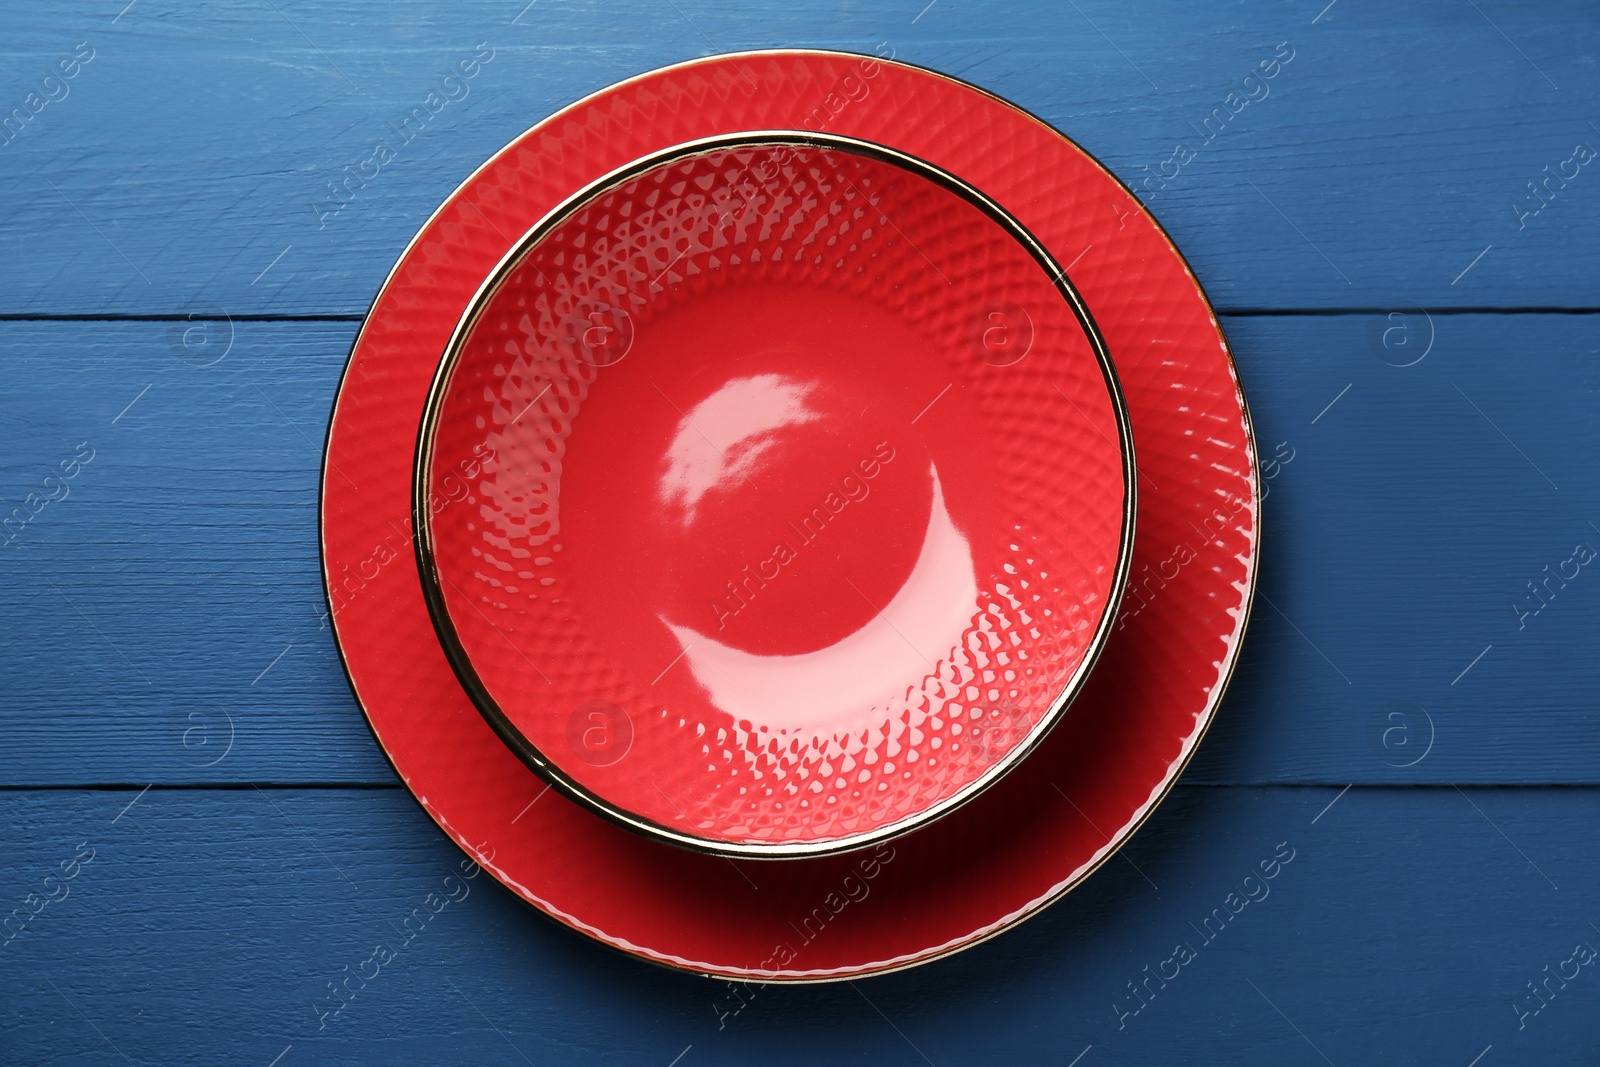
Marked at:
<point>1397,637</point>
<point>171,599</point>
<point>207,925</point>
<point>181,168</point>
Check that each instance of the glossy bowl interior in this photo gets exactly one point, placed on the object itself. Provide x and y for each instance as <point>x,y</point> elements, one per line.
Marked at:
<point>774,495</point>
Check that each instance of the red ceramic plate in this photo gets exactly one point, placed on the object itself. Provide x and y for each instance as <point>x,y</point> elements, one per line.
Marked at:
<point>765,551</point>
<point>1020,844</point>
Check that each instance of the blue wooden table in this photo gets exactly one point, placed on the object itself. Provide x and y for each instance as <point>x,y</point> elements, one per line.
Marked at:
<point>1402,233</point>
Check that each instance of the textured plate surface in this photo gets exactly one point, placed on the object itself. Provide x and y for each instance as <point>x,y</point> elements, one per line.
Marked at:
<point>1022,843</point>
<point>773,496</point>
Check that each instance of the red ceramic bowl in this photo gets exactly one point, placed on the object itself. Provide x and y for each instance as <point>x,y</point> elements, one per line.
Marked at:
<point>776,495</point>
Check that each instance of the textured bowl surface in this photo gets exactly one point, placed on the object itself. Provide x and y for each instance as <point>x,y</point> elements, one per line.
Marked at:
<point>775,497</point>
<point>1020,844</point>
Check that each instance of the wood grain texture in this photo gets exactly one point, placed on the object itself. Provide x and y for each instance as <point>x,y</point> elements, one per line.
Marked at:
<point>207,925</point>
<point>176,585</point>
<point>195,148</point>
